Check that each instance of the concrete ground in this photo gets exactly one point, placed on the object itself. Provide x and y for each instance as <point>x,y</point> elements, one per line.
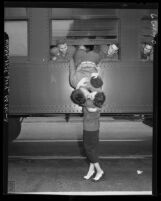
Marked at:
<point>66,176</point>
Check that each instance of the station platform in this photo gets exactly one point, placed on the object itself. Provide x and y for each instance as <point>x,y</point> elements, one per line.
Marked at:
<point>47,158</point>
<point>55,138</point>
<point>65,177</point>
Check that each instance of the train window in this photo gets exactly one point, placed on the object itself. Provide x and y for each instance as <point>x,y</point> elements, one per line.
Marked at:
<point>146,30</point>
<point>98,32</point>
<point>146,47</point>
<point>18,37</point>
<point>146,52</point>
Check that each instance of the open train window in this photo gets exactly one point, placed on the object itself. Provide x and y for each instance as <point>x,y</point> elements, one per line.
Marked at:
<point>17,31</point>
<point>146,46</point>
<point>97,32</point>
<point>16,26</point>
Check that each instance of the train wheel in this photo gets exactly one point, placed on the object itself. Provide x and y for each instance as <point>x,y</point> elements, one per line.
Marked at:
<point>148,120</point>
<point>14,128</point>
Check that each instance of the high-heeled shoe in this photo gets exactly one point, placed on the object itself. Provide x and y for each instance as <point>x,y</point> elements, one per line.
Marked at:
<point>95,179</point>
<point>89,176</point>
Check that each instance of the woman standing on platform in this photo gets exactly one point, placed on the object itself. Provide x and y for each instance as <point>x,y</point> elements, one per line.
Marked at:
<point>91,101</point>
<point>91,126</point>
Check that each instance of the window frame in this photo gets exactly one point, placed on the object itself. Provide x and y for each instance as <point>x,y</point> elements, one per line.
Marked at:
<point>21,59</point>
<point>109,41</point>
<point>144,39</point>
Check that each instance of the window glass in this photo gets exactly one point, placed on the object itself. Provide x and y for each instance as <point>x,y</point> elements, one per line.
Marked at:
<point>96,30</point>
<point>146,30</point>
<point>146,47</point>
<point>17,31</point>
<point>100,33</point>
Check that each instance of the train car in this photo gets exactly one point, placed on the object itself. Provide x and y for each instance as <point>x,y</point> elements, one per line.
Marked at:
<point>41,120</point>
<point>39,88</point>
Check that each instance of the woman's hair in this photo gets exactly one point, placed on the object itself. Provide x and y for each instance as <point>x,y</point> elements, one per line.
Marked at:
<point>96,82</point>
<point>78,97</point>
<point>99,99</point>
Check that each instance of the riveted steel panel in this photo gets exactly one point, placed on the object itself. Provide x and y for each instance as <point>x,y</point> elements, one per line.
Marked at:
<point>128,82</point>
<point>127,89</point>
<point>33,91</point>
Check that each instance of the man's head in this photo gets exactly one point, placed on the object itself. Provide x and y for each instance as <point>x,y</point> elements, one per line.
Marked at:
<point>99,99</point>
<point>62,45</point>
<point>54,51</point>
<point>78,97</point>
<point>154,23</point>
<point>147,48</point>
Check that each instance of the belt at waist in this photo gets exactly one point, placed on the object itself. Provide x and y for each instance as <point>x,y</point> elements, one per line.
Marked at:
<point>86,64</point>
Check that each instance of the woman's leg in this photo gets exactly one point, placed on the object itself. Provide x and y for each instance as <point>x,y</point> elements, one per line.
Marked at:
<point>99,170</point>
<point>90,141</point>
<point>90,171</point>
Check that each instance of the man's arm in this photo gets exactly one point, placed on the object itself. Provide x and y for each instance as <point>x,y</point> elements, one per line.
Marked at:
<point>72,72</point>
